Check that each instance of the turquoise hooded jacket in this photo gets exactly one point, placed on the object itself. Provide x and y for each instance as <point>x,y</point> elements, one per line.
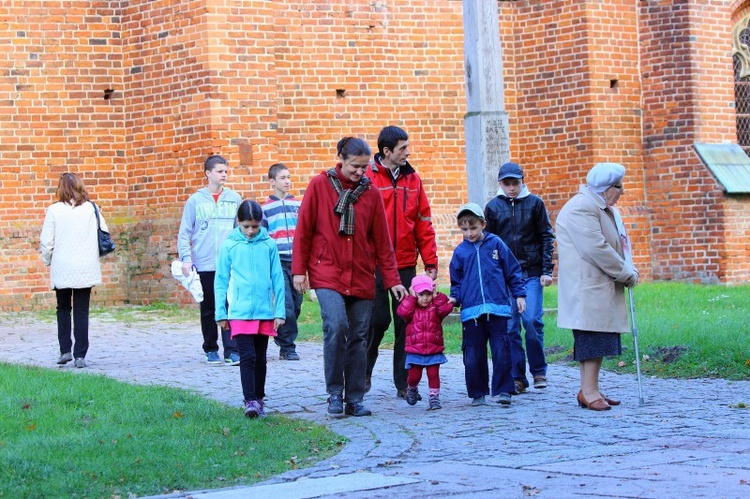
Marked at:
<point>249,278</point>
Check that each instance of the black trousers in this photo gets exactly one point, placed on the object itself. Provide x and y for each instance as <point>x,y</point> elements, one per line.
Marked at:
<point>80,307</point>
<point>253,348</point>
<point>208,319</point>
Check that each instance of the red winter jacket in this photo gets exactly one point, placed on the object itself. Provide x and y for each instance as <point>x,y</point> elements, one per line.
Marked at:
<point>408,214</point>
<point>343,263</point>
<point>424,325</point>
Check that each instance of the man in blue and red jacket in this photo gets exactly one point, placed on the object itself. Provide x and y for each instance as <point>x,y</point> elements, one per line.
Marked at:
<point>410,226</point>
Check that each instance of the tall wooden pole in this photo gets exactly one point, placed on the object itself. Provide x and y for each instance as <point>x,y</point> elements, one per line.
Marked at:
<point>486,122</point>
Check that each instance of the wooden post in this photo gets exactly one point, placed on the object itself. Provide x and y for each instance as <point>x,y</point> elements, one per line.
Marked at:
<point>486,122</point>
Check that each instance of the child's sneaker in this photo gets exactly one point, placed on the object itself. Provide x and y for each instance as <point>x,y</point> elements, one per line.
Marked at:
<point>411,395</point>
<point>252,409</point>
<point>504,399</point>
<point>434,403</point>
<point>540,382</point>
<point>476,401</point>
<point>261,409</point>
<point>213,358</point>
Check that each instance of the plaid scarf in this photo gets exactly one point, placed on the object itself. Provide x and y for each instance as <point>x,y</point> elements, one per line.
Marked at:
<point>347,198</point>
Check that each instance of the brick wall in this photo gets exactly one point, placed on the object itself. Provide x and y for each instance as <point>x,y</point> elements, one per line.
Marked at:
<point>268,81</point>
<point>58,61</point>
<point>687,92</point>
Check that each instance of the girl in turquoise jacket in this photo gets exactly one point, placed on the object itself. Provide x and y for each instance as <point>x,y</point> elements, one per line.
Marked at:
<point>250,280</point>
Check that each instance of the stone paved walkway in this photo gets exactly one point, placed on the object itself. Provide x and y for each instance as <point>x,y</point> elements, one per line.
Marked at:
<point>687,440</point>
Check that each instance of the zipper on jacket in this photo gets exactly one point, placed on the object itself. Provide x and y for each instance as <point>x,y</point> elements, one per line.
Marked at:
<point>479,268</point>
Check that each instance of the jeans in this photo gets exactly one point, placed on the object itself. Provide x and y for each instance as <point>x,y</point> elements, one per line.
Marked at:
<point>208,319</point>
<point>476,333</point>
<point>381,319</point>
<point>345,323</point>
<point>534,329</point>
<point>252,349</point>
<point>293,306</point>
<point>81,299</point>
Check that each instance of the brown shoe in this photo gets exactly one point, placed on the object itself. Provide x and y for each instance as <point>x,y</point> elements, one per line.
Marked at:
<point>520,387</point>
<point>609,400</point>
<point>596,405</point>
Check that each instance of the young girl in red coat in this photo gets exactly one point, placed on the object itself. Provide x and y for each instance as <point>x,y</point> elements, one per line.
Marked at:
<point>424,314</point>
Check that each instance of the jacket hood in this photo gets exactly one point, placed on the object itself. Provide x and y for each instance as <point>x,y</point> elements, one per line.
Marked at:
<point>377,166</point>
<point>525,192</point>
<point>238,237</point>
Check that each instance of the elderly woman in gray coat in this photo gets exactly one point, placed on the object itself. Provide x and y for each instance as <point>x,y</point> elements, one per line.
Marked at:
<point>592,275</point>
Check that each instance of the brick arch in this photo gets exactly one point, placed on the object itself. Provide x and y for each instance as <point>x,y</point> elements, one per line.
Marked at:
<point>739,9</point>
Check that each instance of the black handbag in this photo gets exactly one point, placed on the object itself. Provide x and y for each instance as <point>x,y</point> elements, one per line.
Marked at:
<point>106,245</point>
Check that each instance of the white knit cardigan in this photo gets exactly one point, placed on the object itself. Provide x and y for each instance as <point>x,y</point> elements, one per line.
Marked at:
<point>70,246</point>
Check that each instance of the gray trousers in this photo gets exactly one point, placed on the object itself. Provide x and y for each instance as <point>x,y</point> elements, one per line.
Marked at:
<point>345,323</point>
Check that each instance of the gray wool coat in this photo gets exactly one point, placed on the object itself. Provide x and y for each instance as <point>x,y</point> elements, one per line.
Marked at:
<point>592,268</point>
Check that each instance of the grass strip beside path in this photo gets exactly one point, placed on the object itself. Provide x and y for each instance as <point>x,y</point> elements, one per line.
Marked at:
<point>80,435</point>
<point>684,331</point>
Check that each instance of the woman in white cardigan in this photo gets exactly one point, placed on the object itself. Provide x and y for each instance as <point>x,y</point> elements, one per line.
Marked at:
<point>69,245</point>
<point>593,272</point>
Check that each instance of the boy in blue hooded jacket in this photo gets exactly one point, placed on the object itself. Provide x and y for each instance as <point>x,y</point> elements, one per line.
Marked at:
<point>483,272</point>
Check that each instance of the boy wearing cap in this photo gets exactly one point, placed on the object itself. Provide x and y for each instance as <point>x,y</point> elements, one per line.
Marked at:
<point>423,312</point>
<point>520,219</point>
<point>483,273</point>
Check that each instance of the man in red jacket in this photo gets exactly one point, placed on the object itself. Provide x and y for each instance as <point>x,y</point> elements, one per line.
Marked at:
<point>410,226</point>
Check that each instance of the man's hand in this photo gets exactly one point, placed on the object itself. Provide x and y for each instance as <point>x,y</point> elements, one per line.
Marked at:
<point>545,280</point>
<point>300,283</point>
<point>186,267</point>
<point>432,273</point>
<point>399,292</point>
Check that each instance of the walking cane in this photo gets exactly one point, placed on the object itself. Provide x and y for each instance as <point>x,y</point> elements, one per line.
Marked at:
<point>634,329</point>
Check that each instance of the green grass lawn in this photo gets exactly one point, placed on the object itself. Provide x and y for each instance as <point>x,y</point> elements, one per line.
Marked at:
<point>684,331</point>
<point>81,435</point>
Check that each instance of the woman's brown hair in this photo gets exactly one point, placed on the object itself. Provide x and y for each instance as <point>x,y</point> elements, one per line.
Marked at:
<point>71,190</point>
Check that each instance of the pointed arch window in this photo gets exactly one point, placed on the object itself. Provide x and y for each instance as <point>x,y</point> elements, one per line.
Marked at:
<point>741,60</point>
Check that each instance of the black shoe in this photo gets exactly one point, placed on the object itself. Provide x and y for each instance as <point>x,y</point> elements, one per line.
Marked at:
<point>335,404</point>
<point>288,355</point>
<point>357,409</point>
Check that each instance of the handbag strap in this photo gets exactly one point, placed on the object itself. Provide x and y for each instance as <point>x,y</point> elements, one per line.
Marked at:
<point>96,211</point>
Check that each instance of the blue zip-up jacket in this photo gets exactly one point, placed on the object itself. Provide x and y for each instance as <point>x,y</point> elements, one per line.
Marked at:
<point>482,273</point>
<point>205,226</point>
<point>249,278</point>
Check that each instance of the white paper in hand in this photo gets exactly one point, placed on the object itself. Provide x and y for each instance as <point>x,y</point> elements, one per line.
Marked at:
<point>192,282</point>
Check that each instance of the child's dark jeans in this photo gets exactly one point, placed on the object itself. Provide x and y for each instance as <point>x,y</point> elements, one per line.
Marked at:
<point>476,333</point>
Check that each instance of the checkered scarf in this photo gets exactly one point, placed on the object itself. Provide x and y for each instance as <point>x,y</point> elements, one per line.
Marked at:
<point>344,206</point>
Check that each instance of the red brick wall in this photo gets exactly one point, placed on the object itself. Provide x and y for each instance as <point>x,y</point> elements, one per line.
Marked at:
<point>56,62</point>
<point>687,91</point>
<point>267,81</point>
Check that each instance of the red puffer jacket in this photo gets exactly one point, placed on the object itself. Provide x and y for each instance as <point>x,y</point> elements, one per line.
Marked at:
<point>424,325</point>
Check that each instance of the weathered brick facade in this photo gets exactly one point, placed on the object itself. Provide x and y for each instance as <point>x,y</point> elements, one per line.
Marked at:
<point>133,95</point>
